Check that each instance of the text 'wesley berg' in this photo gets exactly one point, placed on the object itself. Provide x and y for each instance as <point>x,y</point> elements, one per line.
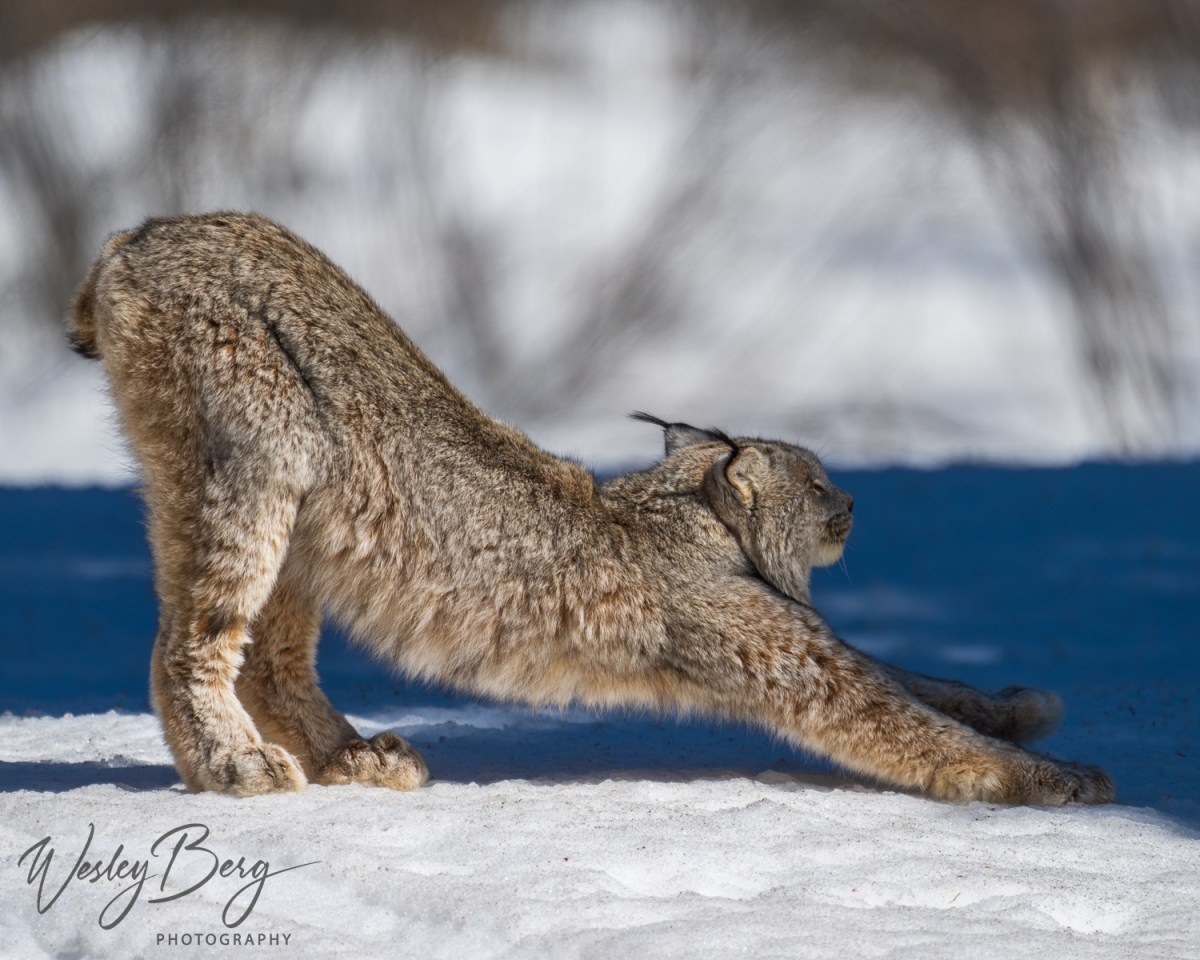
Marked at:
<point>187,862</point>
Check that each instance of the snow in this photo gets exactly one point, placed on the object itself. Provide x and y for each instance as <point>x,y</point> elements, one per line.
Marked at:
<point>636,865</point>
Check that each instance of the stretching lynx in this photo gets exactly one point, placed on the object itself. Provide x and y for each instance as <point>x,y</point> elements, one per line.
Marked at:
<point>301,456</point>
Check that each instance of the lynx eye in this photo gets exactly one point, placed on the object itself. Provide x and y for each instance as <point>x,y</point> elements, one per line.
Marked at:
<point>819,488</point>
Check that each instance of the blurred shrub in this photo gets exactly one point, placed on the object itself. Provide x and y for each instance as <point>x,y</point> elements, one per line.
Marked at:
<point>1052,92</point>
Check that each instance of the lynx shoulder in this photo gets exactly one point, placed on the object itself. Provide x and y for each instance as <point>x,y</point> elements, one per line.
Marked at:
<point>301,455</point>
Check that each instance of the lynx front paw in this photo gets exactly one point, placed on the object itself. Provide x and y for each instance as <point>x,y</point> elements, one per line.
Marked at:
<point>1055,783</point>
<point>1029,714</point>
<point>251,770</point>
<point>383,761</point>
<point>1025,779</point>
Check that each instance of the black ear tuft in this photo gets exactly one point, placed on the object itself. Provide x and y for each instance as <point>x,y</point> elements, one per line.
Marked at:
<point>648,418</point>
<point>723,437</point>
<point>680,435</point>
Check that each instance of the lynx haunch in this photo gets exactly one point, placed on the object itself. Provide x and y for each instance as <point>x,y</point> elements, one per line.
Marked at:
<point>301,456</point>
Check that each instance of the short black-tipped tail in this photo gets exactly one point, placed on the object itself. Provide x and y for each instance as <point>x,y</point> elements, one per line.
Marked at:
<point>81,320</point>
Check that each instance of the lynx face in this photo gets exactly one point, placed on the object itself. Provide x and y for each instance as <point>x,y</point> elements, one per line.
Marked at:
<point>795,505</point>
<point>775,497</point>
<point>783,508</point>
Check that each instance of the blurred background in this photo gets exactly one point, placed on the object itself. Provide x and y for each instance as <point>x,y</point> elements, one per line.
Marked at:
<point>900,232</point>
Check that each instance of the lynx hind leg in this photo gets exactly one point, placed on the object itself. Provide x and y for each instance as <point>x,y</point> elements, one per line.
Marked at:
<point>216,749</point>
<point>1018,714</point>
<point>216,567</point>
<point>278,684</point>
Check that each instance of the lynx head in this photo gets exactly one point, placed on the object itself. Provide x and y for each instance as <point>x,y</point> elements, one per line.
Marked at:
<point>774,497</point>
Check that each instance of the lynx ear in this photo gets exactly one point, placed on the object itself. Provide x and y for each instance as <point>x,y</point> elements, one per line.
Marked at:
<point>733,483</point>
<point>680,435</point>
<point>745,473</point>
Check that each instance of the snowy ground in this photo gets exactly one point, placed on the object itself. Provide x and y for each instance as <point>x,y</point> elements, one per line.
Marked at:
<point>631,866</point>
<point>552,835</point>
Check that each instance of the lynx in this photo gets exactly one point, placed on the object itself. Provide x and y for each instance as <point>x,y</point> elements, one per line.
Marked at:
<point>301,457</point>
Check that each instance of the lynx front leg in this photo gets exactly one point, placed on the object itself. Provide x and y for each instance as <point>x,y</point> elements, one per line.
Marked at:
<point>759,657</point>
<point>1019,714</point>
<point>278,685</point>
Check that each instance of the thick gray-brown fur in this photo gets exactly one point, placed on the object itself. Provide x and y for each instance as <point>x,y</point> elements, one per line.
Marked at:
<point>301,456</point>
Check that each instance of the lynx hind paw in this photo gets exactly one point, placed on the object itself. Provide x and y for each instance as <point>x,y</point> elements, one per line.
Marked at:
<point>1035,713</point>
<point>252,770</point>
<point>385,760</point>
